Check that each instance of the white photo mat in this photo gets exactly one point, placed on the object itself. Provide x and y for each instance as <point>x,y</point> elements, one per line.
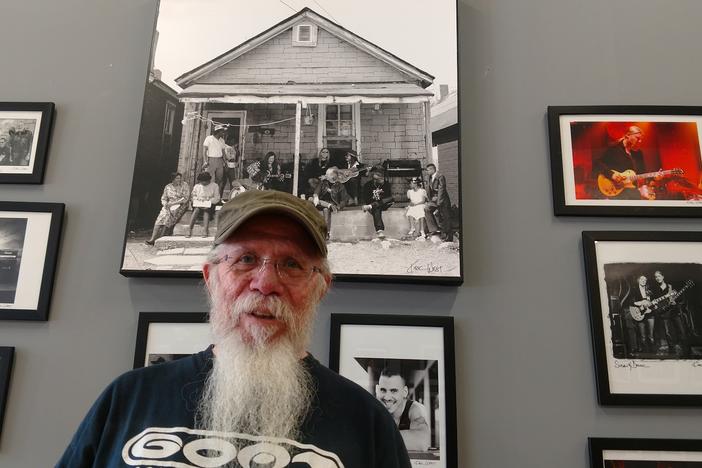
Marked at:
<point>651,455</point>
<point>177,338</point>
<point>646,376</point>
<point>395,342</point>
<point>565,122</point>
<point>33,259</point>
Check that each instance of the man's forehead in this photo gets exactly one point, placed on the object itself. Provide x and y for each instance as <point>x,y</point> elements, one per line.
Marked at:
<point>394,381</point>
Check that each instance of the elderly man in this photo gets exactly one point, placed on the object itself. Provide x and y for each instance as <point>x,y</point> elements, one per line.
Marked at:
<point>256,398</point>
<point>409,415</point>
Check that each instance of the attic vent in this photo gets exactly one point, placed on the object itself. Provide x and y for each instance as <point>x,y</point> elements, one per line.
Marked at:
<point>304,35</point>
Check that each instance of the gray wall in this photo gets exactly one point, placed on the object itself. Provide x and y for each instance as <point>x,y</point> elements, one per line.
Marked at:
<point>526,392</point>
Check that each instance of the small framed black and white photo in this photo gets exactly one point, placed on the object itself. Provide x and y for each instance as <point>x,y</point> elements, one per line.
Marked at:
<point>645,453</point>
<point>407,363</point>
<point>25,130</point>
<point>7,354</point>
<point>645,294</point>
<point>167,336</point>
<point>29,244</point>
<point>626,160</point>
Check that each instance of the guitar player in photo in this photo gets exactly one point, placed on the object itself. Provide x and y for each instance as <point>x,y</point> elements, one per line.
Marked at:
<point>641,320</point>
<point>621,174</point>
<point>619,160</point>
<point>675,334</point>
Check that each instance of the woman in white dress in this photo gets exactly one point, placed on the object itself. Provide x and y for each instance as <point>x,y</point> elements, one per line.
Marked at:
<point>415,211</point>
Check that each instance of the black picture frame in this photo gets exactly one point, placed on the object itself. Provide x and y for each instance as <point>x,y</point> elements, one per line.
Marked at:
<point>147,319</point>
<point>596,129</point>
<point>655,451</point>
<point>630,367</point>
<point>409,329</point>
<point>32,143</point>
<point>172,134</point>
<point>7,355</point>
<point>31,297</point>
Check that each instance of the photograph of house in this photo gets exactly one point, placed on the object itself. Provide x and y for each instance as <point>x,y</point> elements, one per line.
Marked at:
<point>277,105</point>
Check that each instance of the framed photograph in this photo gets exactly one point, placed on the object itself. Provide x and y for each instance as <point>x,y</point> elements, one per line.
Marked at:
<point>328,103</point>
<point>407,363</point>
<point>167,336</point>
<point>645,453</point>
<point>25,130</point>
<point>29,244</point>
<point>626,160</point>
<point>7,354</point>
<point>645,294</point>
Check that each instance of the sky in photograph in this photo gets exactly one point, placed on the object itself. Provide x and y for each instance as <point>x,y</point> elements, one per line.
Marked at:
<point>192,32</point>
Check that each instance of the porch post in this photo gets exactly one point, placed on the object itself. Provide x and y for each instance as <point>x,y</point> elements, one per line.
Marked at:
<point>427,128</point>
<point>296,164</point>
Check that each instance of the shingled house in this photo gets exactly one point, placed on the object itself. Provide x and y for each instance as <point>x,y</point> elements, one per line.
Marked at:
<point>304,84</point>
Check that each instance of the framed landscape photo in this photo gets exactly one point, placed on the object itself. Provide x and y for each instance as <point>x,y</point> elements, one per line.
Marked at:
<point>328,103</point>
<point>25,130</point>
<point>407,363</point>
<point>626,160</point>
<point>645,453</point>
<point>29,244</point>
<point>7,354</point>
<point>167,336</point>
<point>645,295</point>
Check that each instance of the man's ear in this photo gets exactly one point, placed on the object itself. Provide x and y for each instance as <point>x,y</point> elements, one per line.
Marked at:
<point>405,391</point>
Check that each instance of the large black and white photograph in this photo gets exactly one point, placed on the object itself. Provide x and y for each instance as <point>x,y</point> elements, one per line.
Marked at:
<point>645,453</point>
<point>407,364</point>
<point>24,138</point>
<point>356,114</point>
<point>7,354</point>
<point>645,293</point>
<point>167,336</point>
<point>29,239</point>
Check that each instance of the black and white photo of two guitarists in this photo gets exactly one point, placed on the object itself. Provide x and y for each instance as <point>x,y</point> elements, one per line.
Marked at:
<point>655,310</point>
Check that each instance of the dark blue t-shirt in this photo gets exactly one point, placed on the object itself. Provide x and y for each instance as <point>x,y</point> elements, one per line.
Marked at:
<point>146,418</point>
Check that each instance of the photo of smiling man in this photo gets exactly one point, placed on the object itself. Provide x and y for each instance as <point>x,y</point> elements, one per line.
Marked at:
<point>409,415</point>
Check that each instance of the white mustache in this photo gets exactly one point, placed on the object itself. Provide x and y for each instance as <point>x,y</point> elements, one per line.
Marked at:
<point>256,303</point>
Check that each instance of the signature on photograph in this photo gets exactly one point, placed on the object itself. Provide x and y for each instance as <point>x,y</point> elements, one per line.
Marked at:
<point>430,267</point>
<point>697,363</point>
<point>628,364</point>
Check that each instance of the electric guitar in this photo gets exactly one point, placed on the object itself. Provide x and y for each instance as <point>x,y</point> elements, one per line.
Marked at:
<point>610,187</point>
<point>638,312</point>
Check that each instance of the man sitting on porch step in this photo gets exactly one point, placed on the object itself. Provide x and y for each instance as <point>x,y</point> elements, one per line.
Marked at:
<point>377,198</point>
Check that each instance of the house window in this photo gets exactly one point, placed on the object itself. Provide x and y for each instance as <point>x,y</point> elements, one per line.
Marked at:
<point>304,35</point>
<point>339,123</point>
<point>168,118</point>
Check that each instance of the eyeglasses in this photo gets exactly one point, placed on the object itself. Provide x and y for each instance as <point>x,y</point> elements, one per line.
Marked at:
<point>288,268</point>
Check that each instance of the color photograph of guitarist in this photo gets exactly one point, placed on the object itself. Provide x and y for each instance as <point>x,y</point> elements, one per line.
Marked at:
<point>639,162</point>
<point>675,334</point>
<point>625,155</point>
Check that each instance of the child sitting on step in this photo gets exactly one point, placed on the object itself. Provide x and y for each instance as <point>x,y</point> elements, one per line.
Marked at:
<point>205,196</point>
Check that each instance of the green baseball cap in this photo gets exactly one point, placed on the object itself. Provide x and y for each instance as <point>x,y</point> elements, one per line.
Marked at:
<point>239,209</point>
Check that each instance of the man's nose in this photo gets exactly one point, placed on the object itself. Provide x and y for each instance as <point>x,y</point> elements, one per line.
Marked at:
<point>266,280</point>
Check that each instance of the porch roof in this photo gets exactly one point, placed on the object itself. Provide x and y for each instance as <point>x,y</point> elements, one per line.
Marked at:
<point>311,93</point>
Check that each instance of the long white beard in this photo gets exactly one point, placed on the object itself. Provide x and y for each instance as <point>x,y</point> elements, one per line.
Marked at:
<point>261,387</point>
